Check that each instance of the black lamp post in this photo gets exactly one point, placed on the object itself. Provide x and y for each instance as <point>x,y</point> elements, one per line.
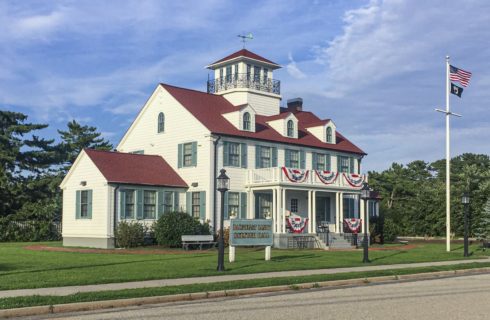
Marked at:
<point>223,185</point>
<point>465,200</point>
<point>365,195</point>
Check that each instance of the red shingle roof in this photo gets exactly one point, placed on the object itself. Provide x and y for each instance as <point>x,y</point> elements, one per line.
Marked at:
<point>247,54</point>
<point>209,108</point>
<point>140,169</point>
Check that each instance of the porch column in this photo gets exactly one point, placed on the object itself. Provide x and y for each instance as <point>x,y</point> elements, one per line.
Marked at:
<point>310,215</point>
<point>341,212</point>
<point>274,209</point>
<point>362,209</point>
<point>314,210</point>
<point>283,211</point>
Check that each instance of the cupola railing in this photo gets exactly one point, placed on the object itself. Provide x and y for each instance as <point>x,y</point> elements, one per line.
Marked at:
<point>244,80</point>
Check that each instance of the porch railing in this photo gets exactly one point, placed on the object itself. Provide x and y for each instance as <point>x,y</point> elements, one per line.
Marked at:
<point>276,176</point>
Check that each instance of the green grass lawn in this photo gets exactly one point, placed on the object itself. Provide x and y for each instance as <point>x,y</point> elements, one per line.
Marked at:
<point>21,268</point>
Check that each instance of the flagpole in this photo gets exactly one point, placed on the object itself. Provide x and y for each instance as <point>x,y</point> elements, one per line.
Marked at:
<point>448,164</point>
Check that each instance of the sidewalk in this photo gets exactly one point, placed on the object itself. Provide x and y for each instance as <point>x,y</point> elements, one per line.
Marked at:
<point>64,291</point>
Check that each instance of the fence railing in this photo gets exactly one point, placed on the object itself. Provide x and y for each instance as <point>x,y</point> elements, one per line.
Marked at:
<point>29,230</point>
<point>244,80</point>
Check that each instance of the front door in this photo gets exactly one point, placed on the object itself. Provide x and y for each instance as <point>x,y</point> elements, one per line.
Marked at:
<point>263,205</point>
<point>322,210</point>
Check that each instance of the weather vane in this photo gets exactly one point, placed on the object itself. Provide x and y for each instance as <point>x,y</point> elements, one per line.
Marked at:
<point>245,38</point>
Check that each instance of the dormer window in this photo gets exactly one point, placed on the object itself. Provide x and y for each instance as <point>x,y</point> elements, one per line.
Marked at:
<point>161,122</point>
<point>290,129</point>
<point>329,135</point>
<point>246,121</point>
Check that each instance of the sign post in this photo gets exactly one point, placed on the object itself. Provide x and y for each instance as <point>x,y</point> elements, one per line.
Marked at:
<point>257,232</point>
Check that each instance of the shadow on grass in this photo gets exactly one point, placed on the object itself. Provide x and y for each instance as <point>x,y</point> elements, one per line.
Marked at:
<point>388,256</point>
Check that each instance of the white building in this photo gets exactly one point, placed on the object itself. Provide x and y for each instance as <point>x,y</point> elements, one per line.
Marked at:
<point>279,160</point>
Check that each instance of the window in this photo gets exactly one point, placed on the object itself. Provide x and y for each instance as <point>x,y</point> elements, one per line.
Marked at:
<point>233,204</point>
<point>168,200</point>
<point>236,72</point>
<point>84,204</point>
<point>372,208</point>
<point>161,122</point>
<point>294,159</point>
<point>349,208</point>
<point>187,154</point>
<point>320,162</point>
<point>329,135</point>
<point>265,157</point>
<point>294,205</point>
<point>290,128</point>
<point>234,154</point>
<point>129,204</point>
<point>196,207</point>
<point>266,71</point>
<point>257,77</point>
<point>249,71</point>
<point>228,73</point>
<point>149,204</point>
<point>344,164</point>
<point>221,71</point>
<point>265,206</point>
<point>246,121</point>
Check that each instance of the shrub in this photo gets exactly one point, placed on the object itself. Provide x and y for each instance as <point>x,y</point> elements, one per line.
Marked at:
<point>390,230</point>
<point>28,230</point>
<point>130,234</point>
<point>171,226</point>
<point>226,231</point>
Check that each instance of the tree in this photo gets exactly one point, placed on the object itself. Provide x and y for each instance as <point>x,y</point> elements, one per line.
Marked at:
<point>23,156</point>
<point>76,138</point>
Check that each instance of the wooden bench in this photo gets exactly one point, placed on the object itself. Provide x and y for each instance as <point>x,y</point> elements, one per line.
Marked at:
<point>197,240</point>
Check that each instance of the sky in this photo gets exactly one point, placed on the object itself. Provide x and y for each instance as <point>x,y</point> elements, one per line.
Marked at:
<point>377,68</point>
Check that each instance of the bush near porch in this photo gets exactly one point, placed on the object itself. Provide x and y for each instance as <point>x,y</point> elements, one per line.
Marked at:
<point>171,226</point>
<point>22,268</point>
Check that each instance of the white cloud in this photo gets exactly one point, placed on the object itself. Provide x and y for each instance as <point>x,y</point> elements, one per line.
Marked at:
<point>293,69</point>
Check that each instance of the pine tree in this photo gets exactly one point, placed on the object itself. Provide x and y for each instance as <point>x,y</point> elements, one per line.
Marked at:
<point>78,137</point>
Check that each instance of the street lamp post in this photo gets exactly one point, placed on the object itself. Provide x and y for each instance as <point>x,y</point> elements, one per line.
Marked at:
<point>365,195</point>
<point>465,200</point>
<point>223,185</point>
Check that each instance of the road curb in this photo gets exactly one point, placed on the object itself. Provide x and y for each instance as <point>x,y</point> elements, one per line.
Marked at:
<point>108,304</point>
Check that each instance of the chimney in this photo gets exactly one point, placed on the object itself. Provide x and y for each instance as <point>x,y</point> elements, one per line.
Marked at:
<point>295,104</point>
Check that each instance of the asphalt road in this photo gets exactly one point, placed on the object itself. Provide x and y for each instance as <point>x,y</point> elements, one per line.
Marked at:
<point>466,297</point>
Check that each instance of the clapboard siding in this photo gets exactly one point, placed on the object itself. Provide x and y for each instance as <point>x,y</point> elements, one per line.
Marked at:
<point>98,226</point>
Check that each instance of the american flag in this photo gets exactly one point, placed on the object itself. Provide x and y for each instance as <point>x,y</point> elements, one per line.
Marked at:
<point>459,75</point>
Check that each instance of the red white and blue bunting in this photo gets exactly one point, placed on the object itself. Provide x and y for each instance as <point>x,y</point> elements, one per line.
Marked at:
<point>297,223</point>
<point>353,224</point>
<point>354,180</point>
<point>295,175</point>
<point>327,177</point>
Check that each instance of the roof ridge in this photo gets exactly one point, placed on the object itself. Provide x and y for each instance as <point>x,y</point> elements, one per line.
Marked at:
<point>123,153</point>
<point>195,90</point>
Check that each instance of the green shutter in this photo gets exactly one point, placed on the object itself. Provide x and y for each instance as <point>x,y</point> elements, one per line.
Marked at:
<point>181,155</point>
<point>243,205</point>
<point>77,209</point>
<point>194,153</point>
<point>139,204</point>
<point>302,158</point>
<point>257,157</point>
<point>188,203</point>
<point>226,217</point>
<point>176,201</point>
<point>339,160</point>
<point>274,157</point>
<point>122,205</point>
<point>243,154</point>
<point>202,205</point>
<point>89,204</point>
<point>328,162</point>
<point>351,166</point>
<point>314,160</point>
<point>287,158</point>
<point>226,153</point>
<point>160,203</point>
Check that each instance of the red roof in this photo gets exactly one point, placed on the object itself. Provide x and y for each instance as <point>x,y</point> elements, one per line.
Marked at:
<point>247,54</point>
<point>209,109</point>
<point>140,169</point>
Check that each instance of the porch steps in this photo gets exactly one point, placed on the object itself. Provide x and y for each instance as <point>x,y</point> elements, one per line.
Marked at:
<point>338,241</point>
